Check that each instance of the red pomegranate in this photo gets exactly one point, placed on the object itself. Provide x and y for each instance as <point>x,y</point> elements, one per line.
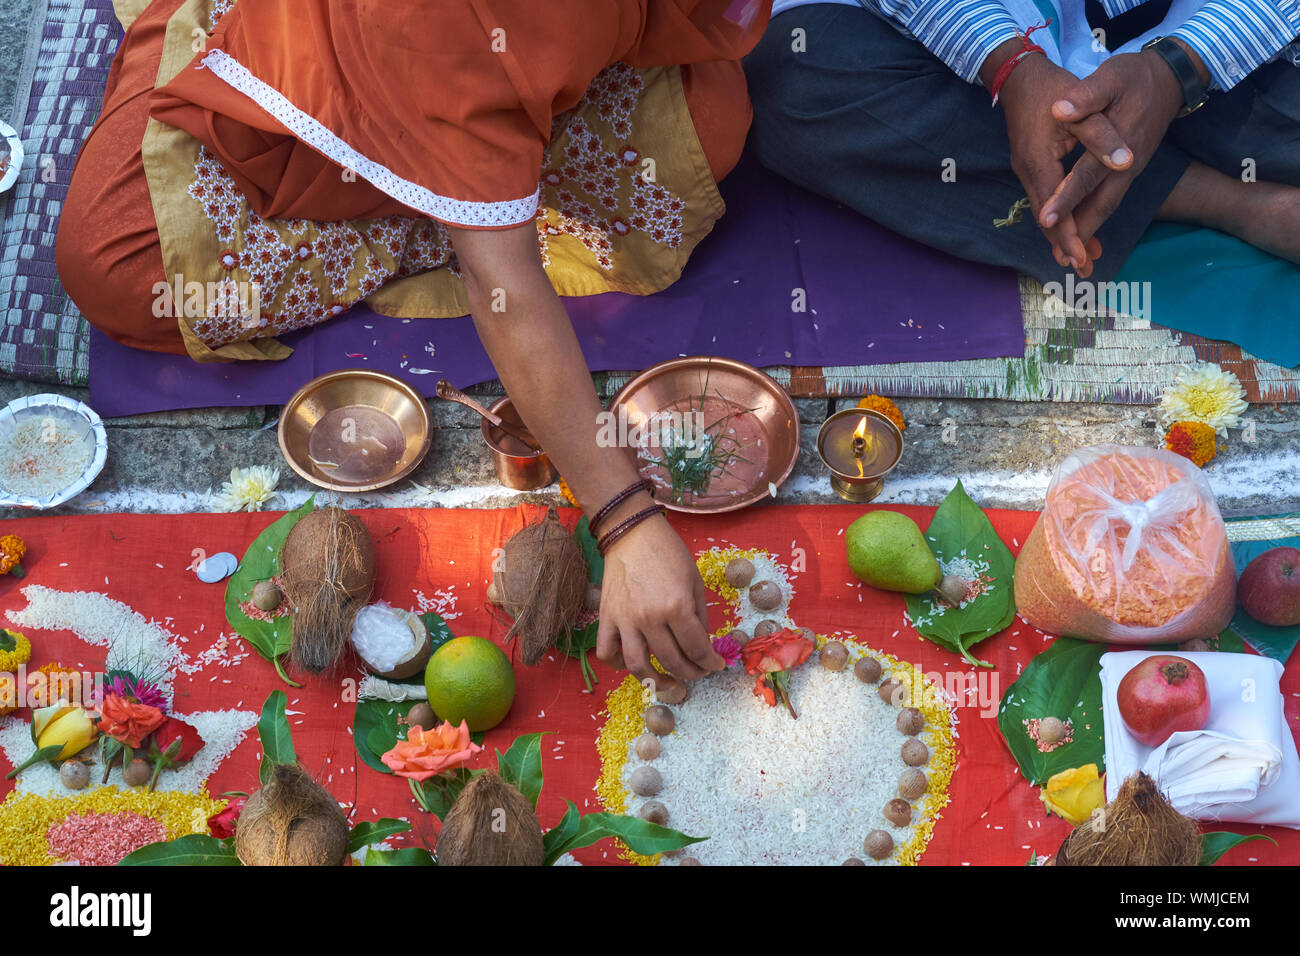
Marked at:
<point>1161,696</point>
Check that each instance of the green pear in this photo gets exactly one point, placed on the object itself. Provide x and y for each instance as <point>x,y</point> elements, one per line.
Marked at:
<point>888,551</point>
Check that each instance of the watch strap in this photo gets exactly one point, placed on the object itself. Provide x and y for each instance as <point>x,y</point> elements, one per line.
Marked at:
<point>1194,92</point>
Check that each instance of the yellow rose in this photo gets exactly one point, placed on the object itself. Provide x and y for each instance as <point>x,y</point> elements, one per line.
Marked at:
<point>63,724</point>
<point>1074,794</point>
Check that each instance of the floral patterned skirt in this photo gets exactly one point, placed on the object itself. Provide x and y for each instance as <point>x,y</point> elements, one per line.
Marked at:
<point>319,169</point>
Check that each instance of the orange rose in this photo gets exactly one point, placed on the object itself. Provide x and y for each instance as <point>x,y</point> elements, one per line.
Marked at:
<point>128,721</point>
<point>427,752</point>
<point>776,652</point>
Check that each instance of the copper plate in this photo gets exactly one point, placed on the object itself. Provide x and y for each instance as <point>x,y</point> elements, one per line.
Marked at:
<point>769,433</point>
<point>355,430</point>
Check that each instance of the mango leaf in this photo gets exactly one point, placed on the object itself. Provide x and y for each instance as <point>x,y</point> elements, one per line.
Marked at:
<point>961,534</point>
<point>376,728</point>
<point>641,836</point>
<point>521,766</point>
<point>1063,682</point>
<point>555,838</point>
<point>194,849</point>
<point>439,792</point>
<point>1214,845</point>
<point>276,736</point>
<point>370,832</point>
<point>261,562</point>
<point>407,856</point>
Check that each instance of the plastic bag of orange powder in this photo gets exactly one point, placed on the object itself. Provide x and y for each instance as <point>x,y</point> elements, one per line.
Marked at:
<point>1130,548</point>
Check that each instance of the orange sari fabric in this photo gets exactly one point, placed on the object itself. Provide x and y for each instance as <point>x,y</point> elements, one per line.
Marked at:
<point>109,248</point>
<point>446,110</point>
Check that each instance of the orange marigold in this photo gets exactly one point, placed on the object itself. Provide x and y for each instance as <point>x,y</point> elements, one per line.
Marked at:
<point>886,407</point>
<point>1193,440</point>
<point>55,682</point>
<point>12,549</point>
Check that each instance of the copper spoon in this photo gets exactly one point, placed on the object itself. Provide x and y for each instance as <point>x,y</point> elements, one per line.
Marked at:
<point>451,393</point>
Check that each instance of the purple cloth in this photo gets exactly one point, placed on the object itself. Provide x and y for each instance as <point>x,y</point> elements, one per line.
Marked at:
<point>871,297</point>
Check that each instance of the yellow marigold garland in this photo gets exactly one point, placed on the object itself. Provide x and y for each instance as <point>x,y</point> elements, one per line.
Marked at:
<point>1195,441</point>
<point>886,407</point>
<point>12,550</point>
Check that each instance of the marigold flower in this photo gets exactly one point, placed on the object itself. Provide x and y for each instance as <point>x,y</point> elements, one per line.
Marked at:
<point>425,753</point>
<point>12,549</point>
<point>1195,441</point>
<point>15,650</point>
<point>886,407</point>
<point>52,682</point>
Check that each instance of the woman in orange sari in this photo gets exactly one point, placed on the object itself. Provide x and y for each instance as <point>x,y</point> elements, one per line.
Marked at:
<point>325,111</point>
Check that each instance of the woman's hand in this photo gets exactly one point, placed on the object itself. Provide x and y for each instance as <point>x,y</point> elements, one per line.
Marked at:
<point>653,602</point>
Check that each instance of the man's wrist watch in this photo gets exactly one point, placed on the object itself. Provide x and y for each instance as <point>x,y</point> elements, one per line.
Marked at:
<point>1194,91</point>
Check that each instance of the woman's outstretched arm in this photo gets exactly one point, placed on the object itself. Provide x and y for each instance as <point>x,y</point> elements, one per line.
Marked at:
<point>653,600</point>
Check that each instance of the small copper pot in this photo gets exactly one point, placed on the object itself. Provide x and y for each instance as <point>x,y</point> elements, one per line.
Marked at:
<point>517,466</point>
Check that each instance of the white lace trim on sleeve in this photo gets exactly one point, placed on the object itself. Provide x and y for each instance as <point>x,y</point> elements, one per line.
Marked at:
<point>456,212</point>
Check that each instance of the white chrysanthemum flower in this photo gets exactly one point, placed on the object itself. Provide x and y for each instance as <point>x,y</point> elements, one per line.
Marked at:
<point>248,489</point>
<point>1205,393</point>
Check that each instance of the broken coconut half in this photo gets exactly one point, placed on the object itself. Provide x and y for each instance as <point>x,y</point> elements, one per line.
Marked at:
<point>393,644</point>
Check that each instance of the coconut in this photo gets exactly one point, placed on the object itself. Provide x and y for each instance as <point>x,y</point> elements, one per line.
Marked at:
<point>490,824</point>
<point>541,585</point>
<point>329,571</point>
<point>393,644</point>
<point>1141,829</point>
<point>292,821</point>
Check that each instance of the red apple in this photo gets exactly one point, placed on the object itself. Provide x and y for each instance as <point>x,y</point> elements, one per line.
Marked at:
<point>1161,696</point>
<point>1269,588</point>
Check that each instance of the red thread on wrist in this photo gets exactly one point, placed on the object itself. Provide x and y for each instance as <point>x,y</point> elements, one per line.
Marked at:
<point>1026,48</point>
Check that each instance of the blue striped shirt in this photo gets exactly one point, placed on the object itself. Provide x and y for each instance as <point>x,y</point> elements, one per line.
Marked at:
<point>1232,37</point>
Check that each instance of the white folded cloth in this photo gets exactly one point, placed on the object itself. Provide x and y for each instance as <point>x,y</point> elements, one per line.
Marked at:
<point>1242,767</point>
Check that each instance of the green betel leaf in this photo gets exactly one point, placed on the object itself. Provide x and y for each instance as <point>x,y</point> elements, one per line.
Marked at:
<point>961,534</point>
<point>407,856</point>
<point>439,792</point>
<point>195,849</point>
<point>1214,845</point>
<point>439,634</point>
<point>368,833</point>
<point>641,836</point>
<point>276,737</point>
<point>556,838</point>
<point>1063,682</point>
<point>376,726</point>
<point>521,766</point>
<point>590,551</point>
<point>271,638</point>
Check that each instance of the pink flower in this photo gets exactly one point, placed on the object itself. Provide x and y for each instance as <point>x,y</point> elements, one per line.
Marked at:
<point>728,648</point>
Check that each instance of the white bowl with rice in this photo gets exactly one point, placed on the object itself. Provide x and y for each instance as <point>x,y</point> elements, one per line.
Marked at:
<point>51,448</point>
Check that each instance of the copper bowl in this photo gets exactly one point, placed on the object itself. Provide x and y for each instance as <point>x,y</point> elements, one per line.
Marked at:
<point>517,466</point>
<point>765,426</point>
<point>355,430</point>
